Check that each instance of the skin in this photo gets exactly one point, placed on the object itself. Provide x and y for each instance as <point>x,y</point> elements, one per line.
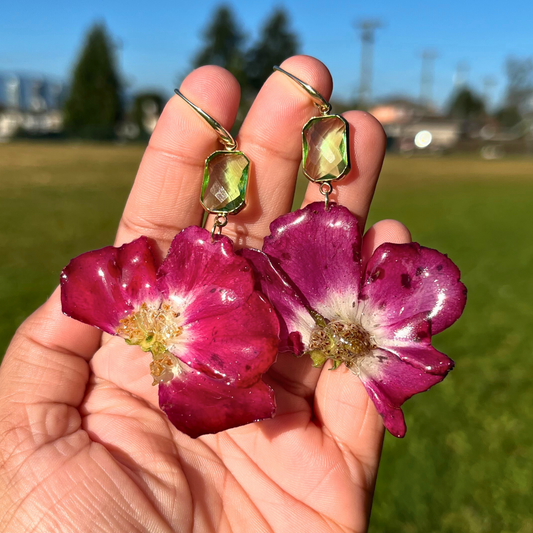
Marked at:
<point>83,445</point>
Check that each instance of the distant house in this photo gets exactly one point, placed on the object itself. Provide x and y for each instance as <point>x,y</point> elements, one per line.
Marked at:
<point>411,126</point>
<point>399,111</point>
<point>31,104</point>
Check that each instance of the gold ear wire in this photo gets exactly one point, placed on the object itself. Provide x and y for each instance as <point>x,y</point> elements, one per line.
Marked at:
<point>226,175</point>
<point>224,135</point>
<point>320,101</point>
<point>325,142</point>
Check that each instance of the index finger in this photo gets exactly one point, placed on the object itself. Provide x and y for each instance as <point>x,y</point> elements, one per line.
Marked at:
<point>165,197</point>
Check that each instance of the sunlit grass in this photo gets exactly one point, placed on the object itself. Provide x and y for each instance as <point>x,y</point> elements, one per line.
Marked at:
<point>55,203</point>
<point>466,464</point>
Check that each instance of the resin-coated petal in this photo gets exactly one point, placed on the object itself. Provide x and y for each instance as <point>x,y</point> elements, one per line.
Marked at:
<point>296,324</point>
<point>319,250</point>
<point>203,276</point>
<point>237,346</point>
<point>390,382</point>
<point>403,280</point>
<point>197,404</point>
<point>410,340</point>
<point>103,286</point>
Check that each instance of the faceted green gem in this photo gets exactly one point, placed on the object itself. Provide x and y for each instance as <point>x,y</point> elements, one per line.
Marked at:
<point>325,148</point>
<point>225,181</point>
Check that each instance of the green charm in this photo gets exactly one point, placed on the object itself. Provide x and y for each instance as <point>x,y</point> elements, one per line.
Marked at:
<point>225,180</point>
<point>325,148</point>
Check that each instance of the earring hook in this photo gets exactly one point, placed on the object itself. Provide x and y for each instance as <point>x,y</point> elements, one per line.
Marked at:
<point>318,99</point>
<point>225,137</point>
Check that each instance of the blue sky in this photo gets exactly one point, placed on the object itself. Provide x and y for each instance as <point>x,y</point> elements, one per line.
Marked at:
<point>159,38</point>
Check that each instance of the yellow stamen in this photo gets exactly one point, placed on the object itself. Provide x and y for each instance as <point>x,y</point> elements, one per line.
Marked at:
<point>154,329</point>
<point>341,342</point>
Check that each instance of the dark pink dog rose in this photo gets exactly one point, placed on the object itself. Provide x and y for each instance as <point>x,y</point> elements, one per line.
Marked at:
<point>211,335</point>
<point>377,320</point>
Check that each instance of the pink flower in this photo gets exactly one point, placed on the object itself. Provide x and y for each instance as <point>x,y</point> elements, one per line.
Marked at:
<point>377,320</point>
<point>211,335</point>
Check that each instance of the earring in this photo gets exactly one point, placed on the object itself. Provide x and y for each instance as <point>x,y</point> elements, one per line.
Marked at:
<point>210,333</point>
<point>226,175</point>
<point>375,319</point>
<point>325,142</point>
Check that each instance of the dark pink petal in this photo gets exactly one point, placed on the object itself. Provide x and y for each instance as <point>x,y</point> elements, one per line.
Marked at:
<point>197,404</point>
<point>319,251</point>
<point>203,277</point>
<point>410,340</point>
<point>296,323</point>
<point>237,346</point>
<point>102,286</point>
<point>403,280</point>
<point>390,382</point>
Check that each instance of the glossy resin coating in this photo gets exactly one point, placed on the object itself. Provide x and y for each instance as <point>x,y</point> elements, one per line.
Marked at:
<point>376,319</point>
<point>212,336</point>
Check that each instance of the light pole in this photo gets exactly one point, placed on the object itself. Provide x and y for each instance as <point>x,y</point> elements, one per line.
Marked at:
<point>489,83</point>
<point>427,76</point>
<point>367,28</point>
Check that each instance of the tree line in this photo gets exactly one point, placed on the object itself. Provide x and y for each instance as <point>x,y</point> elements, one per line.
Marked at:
<point>96,103</point>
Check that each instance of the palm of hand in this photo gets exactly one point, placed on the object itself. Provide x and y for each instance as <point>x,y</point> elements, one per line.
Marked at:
<point>85,446</point>
<point>125,467</point>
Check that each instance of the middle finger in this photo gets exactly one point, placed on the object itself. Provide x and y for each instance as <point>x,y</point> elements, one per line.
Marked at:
<point>271,138</point>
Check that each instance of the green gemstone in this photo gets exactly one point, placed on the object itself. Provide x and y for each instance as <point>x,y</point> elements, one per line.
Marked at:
<point>225,181</point>
<point>325,148</point>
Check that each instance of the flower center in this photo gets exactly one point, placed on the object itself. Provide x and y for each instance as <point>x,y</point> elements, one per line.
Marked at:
<point>154,329</point>
<point>342,342</point>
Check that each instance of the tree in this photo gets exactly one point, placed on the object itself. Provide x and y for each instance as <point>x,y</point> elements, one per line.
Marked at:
<point>508,116</point>
<point>94,105</point>
<point>466,105</point>
<point>276,43</point>
<point>519,81</point>
<point>224,44</point>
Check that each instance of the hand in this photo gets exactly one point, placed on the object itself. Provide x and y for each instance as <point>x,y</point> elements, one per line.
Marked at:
<point>83,444</point>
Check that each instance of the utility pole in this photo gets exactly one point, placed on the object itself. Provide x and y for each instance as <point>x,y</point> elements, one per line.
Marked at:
<point>367,28</point>
<point>461,74</point>
<point>427,76</point>
<point>489,82</point>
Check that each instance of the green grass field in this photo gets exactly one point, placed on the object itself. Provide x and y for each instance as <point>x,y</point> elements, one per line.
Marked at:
<point>466,464</point>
